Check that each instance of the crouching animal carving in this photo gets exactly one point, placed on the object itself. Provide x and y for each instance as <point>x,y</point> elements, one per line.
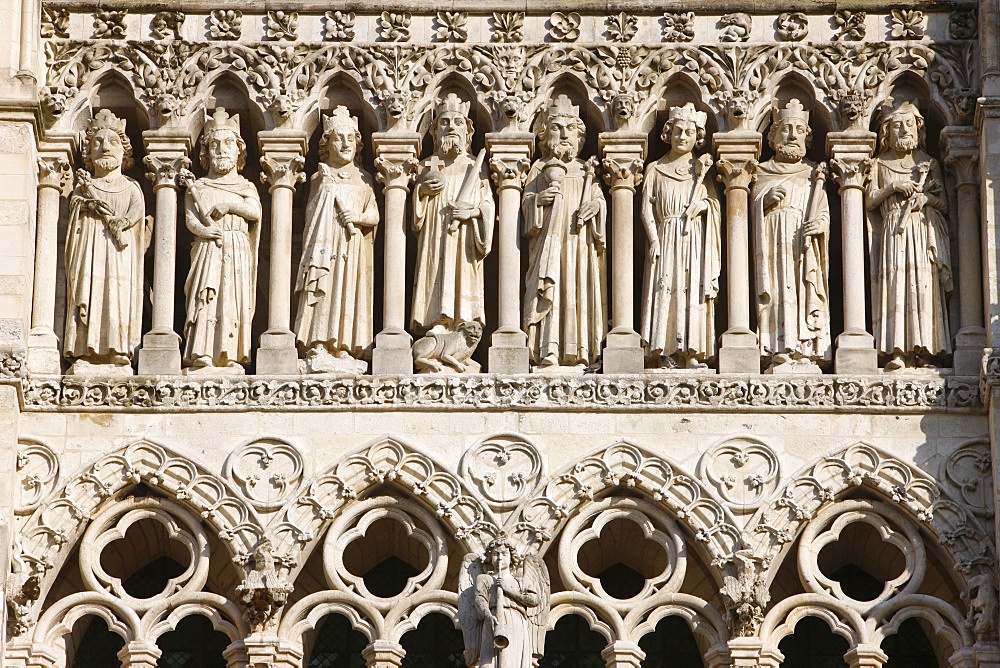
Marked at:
<point>445,351</point>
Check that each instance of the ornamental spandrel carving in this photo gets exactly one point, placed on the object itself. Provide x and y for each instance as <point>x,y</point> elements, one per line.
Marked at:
<point>744,471</point>
<point>37,475</point>
<point>268,472</point>
<point>504,468</point>
<point>55,22</point>
<point>970,471</point>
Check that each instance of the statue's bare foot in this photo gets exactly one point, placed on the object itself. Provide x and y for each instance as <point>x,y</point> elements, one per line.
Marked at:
<point>201,362</point>
<point>695,363</point>
<point>121,360</point>
<point>896,363</point>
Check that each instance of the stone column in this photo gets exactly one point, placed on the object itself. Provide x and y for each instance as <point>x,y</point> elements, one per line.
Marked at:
<point>865,656</point>
<point>166,155</point>
<point>139,654</point>
<point>282,159</point>
<point>383,654</point>
<point>623,654</point>
<point>745,652</point>
<point>263,649</point>
<point>55,160</point>
<point>623,153</point>
<point>510,158</point>
<point>960,148</point>
<point>850,155</point>
<point>396,162</point>
<point>737,151</point>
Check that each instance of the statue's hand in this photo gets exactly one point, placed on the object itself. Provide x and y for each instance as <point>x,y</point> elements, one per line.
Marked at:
<point>432,184</point>
<point>348,217</point>
<point>494,622</point>
<point>774,197</point>
<point>588,210</point>
<point>919,202</point>
<point>219,210</point>
<point>696,208</point>
<point>548,196</point>
<point>905,188</point>
<point>208,232</point>
<point>813,228</point>
<point>654,249</point>
<point>462,214</point>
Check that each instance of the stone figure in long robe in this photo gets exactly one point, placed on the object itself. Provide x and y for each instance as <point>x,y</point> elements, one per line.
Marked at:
<point>106,238</point>
<point>682,219</point>
<point>565,219</point>
<point>335,281</point>
<point>453,214</point>
<point>791,232</point>
<point>503,604</point>
<point>222,211</point>
<point>910,247</point>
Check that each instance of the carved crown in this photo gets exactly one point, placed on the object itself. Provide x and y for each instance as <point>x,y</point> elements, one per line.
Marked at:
<point>891,109</point>
<point>105,120</point>
<point>452,103</point>
<point>341,117</point>
<point>792,110</point>
<point>562,106</point>
<point>221,120</point>
<point>688,113</point>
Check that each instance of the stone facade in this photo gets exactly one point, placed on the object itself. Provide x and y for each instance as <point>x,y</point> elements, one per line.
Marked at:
<point>555,334</point>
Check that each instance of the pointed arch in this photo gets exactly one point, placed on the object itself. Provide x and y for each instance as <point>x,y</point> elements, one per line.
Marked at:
<point>539,519</point>
<point>300,525</point>
<point>599,616</point>
<point>307,615</point>
<point>459,82</point>
<point>701,617</point>
<point>225,616</point>
<point>581,85</point>
<point>330,88</point>
<point>948,624</point>
<point>407,616</point>
<point>780,620</point>
<point>81,80</point>
<point>58,621</point>
<point>795,83</point>
<point>236,84</point>
<point>674,87</point>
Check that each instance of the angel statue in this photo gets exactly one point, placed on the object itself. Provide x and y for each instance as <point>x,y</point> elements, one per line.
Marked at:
<point>502,607</point>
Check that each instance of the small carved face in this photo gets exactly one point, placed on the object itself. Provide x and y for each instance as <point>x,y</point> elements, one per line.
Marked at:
<point>106,150</point>
<point>903,132</point>
<point>510,62</point>
<point>500,556</point>
<point>167,104</point>
<point>342,144</point>
<point>851,107</point>
<point>510,106</point>
<point>396,105</point>
<point>789,138</point>
<point>283,107</point>
<point>683,136</point>
<point>473,332</point>
<point>623,106</point>
<point>223,151</point>
<point>562,136</point>
<point>452,131</point>
<point>738,107</point>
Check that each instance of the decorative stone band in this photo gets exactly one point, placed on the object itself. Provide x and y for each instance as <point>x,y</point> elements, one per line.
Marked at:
<point>659,392</point>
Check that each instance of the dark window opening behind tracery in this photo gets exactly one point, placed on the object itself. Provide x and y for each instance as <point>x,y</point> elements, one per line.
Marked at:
<point>435,643</point>
<point>909,647</point>
<point>99,646</point>
<point>672,645</point>
<point>338,645</point>
<point>193,644</point>
<point>813,645</point>
<point>573,644</point>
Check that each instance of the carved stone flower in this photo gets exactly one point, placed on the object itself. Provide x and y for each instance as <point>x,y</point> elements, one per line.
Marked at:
<point>225,24</point>
<point>906,24</point>
<point>792,26</point>
<point>962,24</point>
<point>109,24</point>
<point>622,27</point>
<point>167,25</point>
<point>678,26</point>
<point>282,25</point>
<point>507,26</point>
<point>564,27</point>
<point>849,25</point>
<point>340,26</point>
<point>451,26</point>
<point>735,27</point>
<point>394,26</point>
<point>55,22</point>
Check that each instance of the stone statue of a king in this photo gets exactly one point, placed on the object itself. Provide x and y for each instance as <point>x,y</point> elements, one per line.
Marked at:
<point>222,210</point>
<point>334,283</point>
<point>453,214</point>
<point>682,218</point>
<point>910,249</point>
<point>106,239</point>
<point>791,233</point>
<point>565,219</point>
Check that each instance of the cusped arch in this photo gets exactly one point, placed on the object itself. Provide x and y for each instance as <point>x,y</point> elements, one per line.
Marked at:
<point>362,101</point>
<point>308,614</point>
<point>225,616</point>
<point>407,616</point>
<point>670,87</point>
<point>82,82</point>
<point>536,523</point>
<point>582,86</point>
<point>58,621</point>
<point>704,620</point>
<point>948,624</point>
<point>300,525</point>
<point>241,79</point>
<point>816,100</point>
<point>599,616</point>
<point>49,534</point>
<point>462,83</point>
<point>780,620</point>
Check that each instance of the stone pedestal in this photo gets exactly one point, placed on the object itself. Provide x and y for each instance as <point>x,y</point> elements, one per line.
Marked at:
<point>139,654</point>
<point>383,654</point>
<point>623,654</point>
<point>865,656</point>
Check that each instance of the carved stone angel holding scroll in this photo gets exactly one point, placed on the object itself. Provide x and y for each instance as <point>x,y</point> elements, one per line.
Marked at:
<point>503,604</point>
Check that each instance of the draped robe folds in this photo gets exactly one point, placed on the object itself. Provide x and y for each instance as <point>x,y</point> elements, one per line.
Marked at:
<point>448,281</point>
<point>104,283</point>
<point>911,264</point>
<point>565,303</point>
<point>334,284</point>
<point>678,311</point>
<point>514,622</point>
<point>793,306</point>
<point>220,290</point>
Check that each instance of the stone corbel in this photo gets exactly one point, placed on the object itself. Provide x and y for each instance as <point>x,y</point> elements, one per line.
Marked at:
<point>850,158</point>
<point>623,654</point>
<point>510,157</point>
<point>139,654</point>
<point>737,152</point>
<point>383,654</point>
<point>865,656</point>
<point>396,162</point>
<point>166,160</point>
<point>623,156</point>
<point>282,160</point>
<point>960,149</point>
<point>55,171</point>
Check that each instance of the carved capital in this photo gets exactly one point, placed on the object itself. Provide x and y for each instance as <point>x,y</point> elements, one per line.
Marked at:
<point>960,150</point>
<point>54,172</point>
<point>850,172</point>
<point>163,170</point>
<point>622,172</point>
<point>509,172</point>
<point>283,171</point>
<point>736,173</point>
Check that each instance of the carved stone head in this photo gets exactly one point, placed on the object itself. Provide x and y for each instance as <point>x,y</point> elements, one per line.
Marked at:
<point>790,134</point>
<point>222,148</point>
<point>511,60</point>
<point>107,148</point>
<point>340,143</point>
<point>737,110</point>
<point>902,127</point>
<point>452,128</point>
<point>472,331</point>
<point>563,131</point>
<point>684,130</point>
<point>396,105</point>
<point>282,107</point>
<point>622,108</point>
<point>499,553</point>
<point>510,107</point>
<point>852,106</point>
